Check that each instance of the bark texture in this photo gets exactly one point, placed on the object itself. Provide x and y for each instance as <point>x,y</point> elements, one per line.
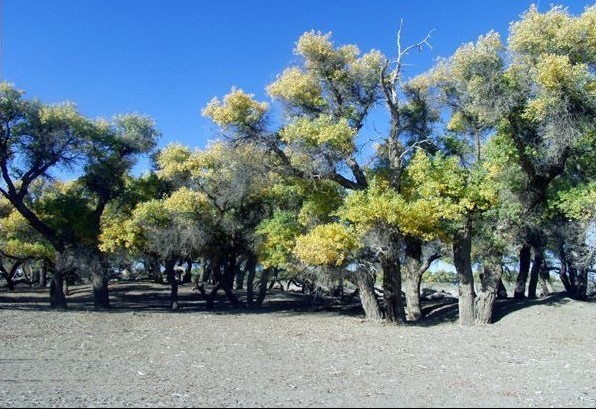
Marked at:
<point>462,258</point>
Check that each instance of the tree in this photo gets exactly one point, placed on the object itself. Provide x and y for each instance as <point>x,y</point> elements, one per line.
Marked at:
<point>36,139</point>
<point>327,99</point>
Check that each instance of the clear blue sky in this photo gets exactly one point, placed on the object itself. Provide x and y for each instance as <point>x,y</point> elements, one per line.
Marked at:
<point>168,58</point>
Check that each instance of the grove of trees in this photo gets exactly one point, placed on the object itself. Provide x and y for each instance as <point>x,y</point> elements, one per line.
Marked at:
<point>487,161</point>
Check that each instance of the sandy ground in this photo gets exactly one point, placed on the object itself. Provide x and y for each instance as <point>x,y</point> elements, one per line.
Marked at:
<point>539,353</point>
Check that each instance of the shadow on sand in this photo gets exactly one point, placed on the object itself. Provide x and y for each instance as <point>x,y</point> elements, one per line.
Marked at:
<point>146,296</point>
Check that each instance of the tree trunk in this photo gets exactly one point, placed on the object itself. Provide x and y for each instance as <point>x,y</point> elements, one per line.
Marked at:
<point>525,256</point>
<point>207,270</point>
<point>535,272</point>
<point>45,266</point>
<point>61,267</point>
<point>155,269</point>
<point>263,287</point>
<point>251,268</point>
<point>366,286</point>
<point>502,292</point>
<point>10,282</point>
<point>170,265</point>
<point>187,273</point>
<point>228,280</point>
<point>582,285</point>
<point>392,297</point>
<point>223,281</point>
<point>545,279</point>
<point>462,258</point>
<point>240,275</point>
<point>95,262</point>
<point>28,273</point>
<point>485,301</point>
<point>412,292</point>
<point>412,279</point>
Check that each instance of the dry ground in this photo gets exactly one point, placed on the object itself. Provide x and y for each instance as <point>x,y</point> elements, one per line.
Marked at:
<point>539,353</point>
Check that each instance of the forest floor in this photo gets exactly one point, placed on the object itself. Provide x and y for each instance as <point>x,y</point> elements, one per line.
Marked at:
<point>292,353</point>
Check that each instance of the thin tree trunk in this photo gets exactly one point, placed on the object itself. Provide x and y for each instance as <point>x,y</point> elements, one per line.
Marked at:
<point>534,273</point>
<point>366,286</point>
<point>502,292</point>
<point>545,279</point>
<point>57,296</point>
<point>10,283</point>
<point>45,266</point>
<point>462,258</point>
<point>263,287</point>
<point>392,297</point>
<point>251,268</point>
<point>525,257</point>
<point>240,275</point>
<point>207,270</point>
<point>28,273</point>
<point>170,265</point>
<point>187,273</point>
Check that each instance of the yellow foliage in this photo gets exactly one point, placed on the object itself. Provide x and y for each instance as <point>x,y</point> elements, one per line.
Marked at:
<point>189,203</point>
<point>326,245</point>
<point>323,130</point>
<point>173,161</point>
<point>237,109</point>
<point>297,88</point>
<point>556,32</point>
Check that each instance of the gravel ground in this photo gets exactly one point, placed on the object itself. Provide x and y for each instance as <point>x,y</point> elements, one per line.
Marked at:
<point>539,353</point>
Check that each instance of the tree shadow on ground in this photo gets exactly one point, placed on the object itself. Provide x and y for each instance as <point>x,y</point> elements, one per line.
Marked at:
<point>511,305</point>
<point>436,313</point>
<point>149,297</point>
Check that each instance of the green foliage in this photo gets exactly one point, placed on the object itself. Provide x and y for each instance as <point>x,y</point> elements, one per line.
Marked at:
<point>278,238</point>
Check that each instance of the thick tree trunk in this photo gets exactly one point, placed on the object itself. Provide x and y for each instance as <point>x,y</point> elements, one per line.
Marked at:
<point>412,292</point>
<point>99,278</point>
<point>61,268</point>
<point>155,269</point>
<point>57,297</point>
<point>575,282</point>
<point>412,279</point>
<point>366,286</point>
<point>485,301</point>
<point>392,297</point>
<point>101,294</point>
<point>462,258</point>
<point>525,257</point>
<point>582,285</point>
<point>170,265</point>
